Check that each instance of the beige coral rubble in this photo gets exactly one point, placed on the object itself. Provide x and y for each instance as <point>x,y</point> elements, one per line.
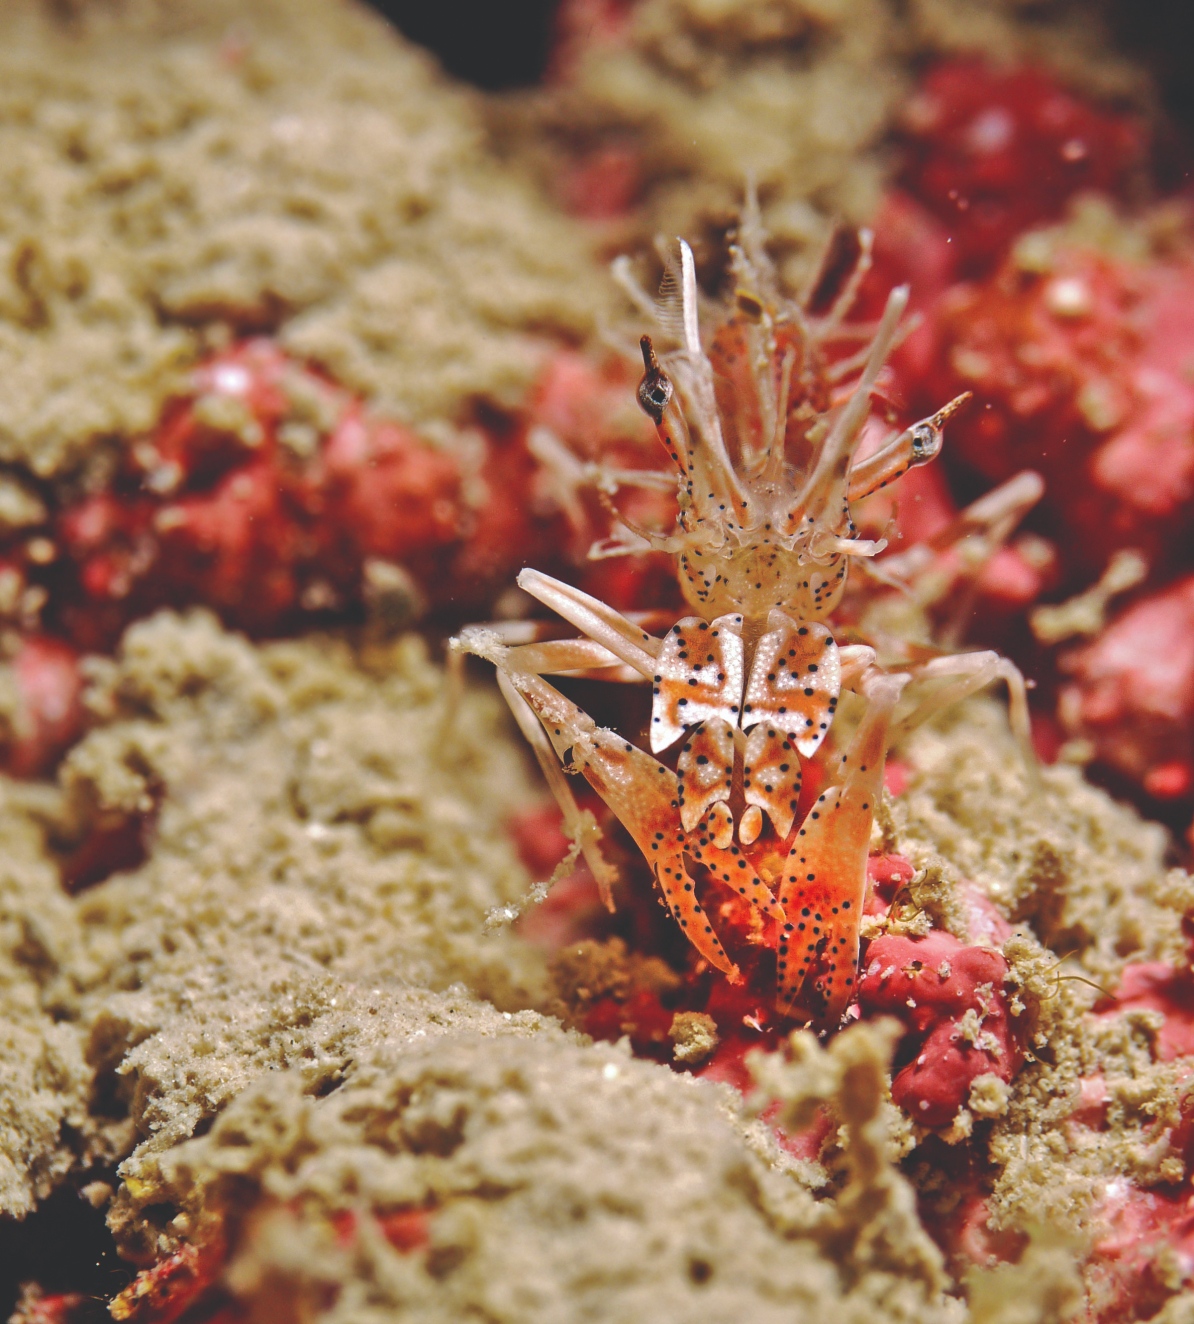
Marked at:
<point>170,171</point>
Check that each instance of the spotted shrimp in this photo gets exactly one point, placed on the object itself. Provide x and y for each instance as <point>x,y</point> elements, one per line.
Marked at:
<point>764,433</point>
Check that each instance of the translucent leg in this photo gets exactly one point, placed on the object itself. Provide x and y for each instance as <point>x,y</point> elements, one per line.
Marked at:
<point>593,618</point>
<point>579,825</point>
<point>948,680</point>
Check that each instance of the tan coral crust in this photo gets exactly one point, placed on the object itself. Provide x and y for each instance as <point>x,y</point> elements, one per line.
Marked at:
<point>168,170</point>
<point>800,95</point>
<point>319,836</point>
<point>564,1181</point>
<point>1089,874</point>
<point>45,1082</point>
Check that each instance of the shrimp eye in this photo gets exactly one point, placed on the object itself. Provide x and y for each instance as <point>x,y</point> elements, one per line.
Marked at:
<point>654,391</point>
<point>749,305</point>
<point>926,442</point>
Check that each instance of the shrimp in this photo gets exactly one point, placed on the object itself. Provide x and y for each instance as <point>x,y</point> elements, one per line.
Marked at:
<point>763,428</point>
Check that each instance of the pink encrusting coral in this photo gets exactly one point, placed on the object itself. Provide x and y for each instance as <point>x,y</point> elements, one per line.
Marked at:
<point>987,153</point>
<point>1130,692</point>
<point>266,492</point>
<point>1076,342</point>
<point>273,495</point>
<point>1145,1252</point>
<point>276,497</point>
<point>992,151</point>
<point>1076,361</point>
<point>952,1000</point>
<point>1166,988</point>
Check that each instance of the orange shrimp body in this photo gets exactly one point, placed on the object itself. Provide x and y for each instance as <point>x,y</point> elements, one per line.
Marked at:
<point>763,435</point>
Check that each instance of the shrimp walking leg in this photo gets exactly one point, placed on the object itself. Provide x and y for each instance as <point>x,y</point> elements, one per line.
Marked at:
<point>579,825</point>
<point>944,681</point>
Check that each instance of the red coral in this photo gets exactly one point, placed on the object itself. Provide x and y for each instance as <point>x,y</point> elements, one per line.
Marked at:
<point>1145,1253</point>
<point>911,247</point>
<point>384,492</point>
<point>267,490</point>
<point>931,984</point>
<point>185,1283</point>
<point>161,1294</point>
<point>38,1307</point>
<point>992,151</point>
<point>1159,986</point>
<point>642,1016</point>
<point>538,835</point>
<point>49,716</point>
<point>1131,692</point>
<point>501,526</point>
<point>1077,372</point>
<point>113,844</point>
<point>886,874</point>
<point>405,1229</point>
<point>965,1233</point>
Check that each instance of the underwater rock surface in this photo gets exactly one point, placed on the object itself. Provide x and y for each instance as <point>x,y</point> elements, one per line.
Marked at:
<point>260,999</point>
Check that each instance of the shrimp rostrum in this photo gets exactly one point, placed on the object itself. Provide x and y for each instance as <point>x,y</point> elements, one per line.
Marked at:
<point>763,427</point>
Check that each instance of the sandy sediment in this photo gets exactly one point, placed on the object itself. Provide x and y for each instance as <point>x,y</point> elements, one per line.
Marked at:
<point>1089,876</point>
<point>46,1079</point>
<point>565,1181</point>
<point>317,835</point>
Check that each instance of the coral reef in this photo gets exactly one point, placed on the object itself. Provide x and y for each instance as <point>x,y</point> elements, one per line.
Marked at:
<point>992,152</point>
<point>173,171</point>
<point>1075,355</point>
<point>1075,348</point>
<point>274,497</point>
<point>295,330</point>
<point>658,109</point>
<point>1130,692</point>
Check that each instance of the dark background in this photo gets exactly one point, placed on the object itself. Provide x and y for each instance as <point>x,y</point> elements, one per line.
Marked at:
<point>493,43</point>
